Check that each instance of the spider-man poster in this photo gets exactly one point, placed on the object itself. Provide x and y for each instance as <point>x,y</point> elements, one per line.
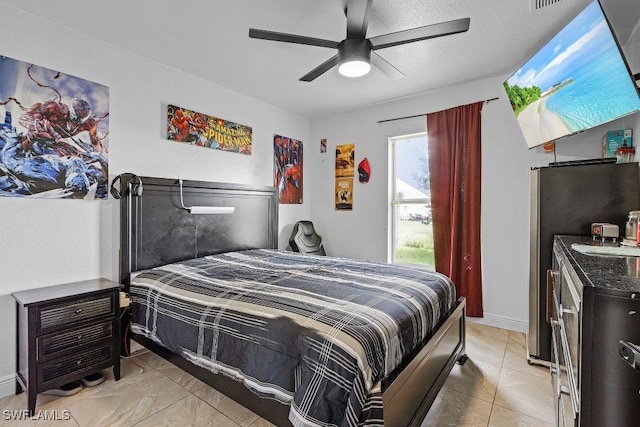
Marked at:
<point>190,127</point>
<point>287,163</point>
<point>54,132</point>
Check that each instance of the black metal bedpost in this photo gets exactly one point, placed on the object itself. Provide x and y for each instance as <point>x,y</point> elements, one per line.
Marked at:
<point>126,249</point>
<point>463,335</point>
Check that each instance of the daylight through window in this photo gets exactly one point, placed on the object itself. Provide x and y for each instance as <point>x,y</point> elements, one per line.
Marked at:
<point>411,234</point>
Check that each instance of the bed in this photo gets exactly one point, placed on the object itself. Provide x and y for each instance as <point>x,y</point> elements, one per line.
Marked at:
<point>299,339</point>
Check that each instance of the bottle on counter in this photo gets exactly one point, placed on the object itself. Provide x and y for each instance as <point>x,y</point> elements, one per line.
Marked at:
<point>625,154</point>
<point>631,228</point>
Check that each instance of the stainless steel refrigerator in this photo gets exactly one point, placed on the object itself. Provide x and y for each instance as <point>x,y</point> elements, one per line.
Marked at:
<point>566,198</point>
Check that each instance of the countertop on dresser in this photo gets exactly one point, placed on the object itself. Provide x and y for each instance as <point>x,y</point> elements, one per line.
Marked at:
<point>608,273</point>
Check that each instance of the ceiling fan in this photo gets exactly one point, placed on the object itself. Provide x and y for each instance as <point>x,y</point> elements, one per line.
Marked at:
<point>357,53</point>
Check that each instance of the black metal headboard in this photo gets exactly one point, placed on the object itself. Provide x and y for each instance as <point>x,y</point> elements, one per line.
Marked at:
<point>156,230</point>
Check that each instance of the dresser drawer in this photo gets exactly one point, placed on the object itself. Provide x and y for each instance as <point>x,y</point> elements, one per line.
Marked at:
<point>96,359</point>
<point>615,319</point>
<point>49,345</point>
<point>75,310</point>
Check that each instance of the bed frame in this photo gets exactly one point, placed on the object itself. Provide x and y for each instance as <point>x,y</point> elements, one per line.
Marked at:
<point>156,230</point>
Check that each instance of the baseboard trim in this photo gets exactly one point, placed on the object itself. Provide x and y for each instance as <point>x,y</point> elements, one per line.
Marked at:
<point>502,322</point>
<point>7,385</point>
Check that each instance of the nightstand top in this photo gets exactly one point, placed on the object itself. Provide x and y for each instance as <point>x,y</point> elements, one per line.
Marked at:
<point>52,293</point>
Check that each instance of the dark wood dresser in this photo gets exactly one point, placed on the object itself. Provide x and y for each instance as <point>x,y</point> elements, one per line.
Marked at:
<point>595,317</point>
<point>66,332</point>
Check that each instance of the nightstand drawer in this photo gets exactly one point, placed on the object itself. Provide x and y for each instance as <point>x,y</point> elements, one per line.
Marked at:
<point>61,341</point>
<point>74,311</point>
<point>60,367</point>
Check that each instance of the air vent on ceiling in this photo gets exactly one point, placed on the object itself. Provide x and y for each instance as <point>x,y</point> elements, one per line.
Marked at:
<point>539,4</point>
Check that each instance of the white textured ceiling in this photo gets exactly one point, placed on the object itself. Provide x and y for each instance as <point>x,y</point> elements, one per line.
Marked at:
<point>210,39</point>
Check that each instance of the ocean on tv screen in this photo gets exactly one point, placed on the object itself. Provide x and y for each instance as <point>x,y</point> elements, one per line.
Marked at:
<point>600,93</point>
<point>575,82</point>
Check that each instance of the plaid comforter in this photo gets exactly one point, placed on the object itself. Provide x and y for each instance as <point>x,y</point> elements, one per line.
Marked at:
<point>313,332</point>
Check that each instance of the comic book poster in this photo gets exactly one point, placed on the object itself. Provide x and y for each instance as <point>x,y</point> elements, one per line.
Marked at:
<point>54,133</point>
<point>198,129</point>
<point>288,170</point>
<point>345,164</point>
<point>344,194</point>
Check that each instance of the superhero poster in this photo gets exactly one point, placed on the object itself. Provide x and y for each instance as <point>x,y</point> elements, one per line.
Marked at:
<point>198,129</point>
<point>54,133</point>
<point>287,164</point>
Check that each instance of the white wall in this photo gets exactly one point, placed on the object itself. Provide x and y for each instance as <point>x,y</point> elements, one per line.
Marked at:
<point>46,242</point>
<point>632,52</point>
<point>631,49</point>
<point>362,233</point>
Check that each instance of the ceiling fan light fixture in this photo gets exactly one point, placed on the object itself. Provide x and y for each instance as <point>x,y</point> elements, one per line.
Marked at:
<point>356,53</point>
<point>354,68</point>
<point>354,57</point>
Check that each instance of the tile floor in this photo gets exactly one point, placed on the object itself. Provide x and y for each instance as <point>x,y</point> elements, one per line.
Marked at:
<point>496,387</point>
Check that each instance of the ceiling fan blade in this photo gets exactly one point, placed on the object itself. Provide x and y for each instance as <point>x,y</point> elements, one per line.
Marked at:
<point>389,70</point>
<point>420,33</point>
<point>320,70</point>
<point>290,38</point>
<point>357,18</point>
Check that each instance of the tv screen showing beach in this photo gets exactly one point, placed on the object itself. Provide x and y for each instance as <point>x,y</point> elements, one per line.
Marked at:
<point>577,81</point>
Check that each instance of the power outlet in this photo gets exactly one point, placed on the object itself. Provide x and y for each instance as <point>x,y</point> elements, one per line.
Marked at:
<point>125,300</point>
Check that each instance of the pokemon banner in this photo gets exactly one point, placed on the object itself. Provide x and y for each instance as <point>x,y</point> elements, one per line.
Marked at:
<point>198,129</point>
<point>345,163</point>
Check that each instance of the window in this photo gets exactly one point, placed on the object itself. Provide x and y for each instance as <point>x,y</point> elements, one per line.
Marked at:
<point>411,231</point>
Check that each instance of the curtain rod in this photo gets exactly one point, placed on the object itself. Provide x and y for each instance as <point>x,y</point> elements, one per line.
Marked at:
<point>424,114</point>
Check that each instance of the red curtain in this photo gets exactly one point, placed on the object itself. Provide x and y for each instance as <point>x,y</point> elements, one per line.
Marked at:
<point>454,172</point>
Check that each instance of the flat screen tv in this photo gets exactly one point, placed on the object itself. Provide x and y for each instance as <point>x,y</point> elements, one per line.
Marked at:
<point>577,81</point>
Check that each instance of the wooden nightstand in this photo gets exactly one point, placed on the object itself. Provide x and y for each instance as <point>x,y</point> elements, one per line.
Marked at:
<point>66,332</point>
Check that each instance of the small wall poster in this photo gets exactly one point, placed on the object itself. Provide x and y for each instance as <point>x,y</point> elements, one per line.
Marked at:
<point>323,145</point>
<point>344,194</point>
<point>345,164</point>
<point>54,133</point>
<point>288,168</point>
<point>198,129</point>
